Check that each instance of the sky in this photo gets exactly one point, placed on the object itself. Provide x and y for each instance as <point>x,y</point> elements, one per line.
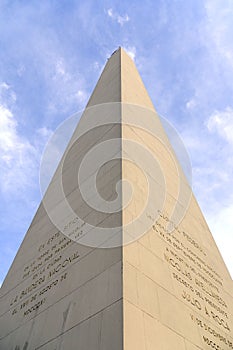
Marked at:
<point>51,55</point>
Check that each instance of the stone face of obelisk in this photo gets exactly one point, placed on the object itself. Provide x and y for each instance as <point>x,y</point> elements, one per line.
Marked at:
<point>60,294</point>
<point>177,291</point>
<point>149,274</point>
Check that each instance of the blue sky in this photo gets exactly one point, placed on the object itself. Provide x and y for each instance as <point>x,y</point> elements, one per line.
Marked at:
<point>51,55</point>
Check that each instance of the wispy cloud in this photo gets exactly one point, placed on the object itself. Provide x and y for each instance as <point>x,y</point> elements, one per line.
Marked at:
<point>221,226</point>
<point>221,122</point>
<point>131,51</point>
<point>66,87</point>
<point>120,19</point>
<point>191,104</point>
<point>19,157</point>
<point>221,27</point>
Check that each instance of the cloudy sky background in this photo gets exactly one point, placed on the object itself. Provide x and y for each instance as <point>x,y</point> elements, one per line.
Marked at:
<point>51,55</point>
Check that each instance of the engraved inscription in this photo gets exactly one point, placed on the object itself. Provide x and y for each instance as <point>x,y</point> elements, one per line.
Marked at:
<point>198,284</point>
<point>43,274</point>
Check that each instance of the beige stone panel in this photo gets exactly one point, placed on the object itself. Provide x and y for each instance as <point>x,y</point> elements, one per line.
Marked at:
<point>16,271</point>
<point>159,169</point>
<point>87,137</point>
<point>107,180</point>
<point>174,210</point>
<point>112,327</point>
<point>134,336</point>
<point>145,241</point>
<point>96,333</point>
<point>100,332</point>
<point>40,213</point>
<point>24,254</point>
<point>135,197</point>
<point>211,337</point>
<point>100,261</point>
<point>77,276</point>
<point>54,320</point>
<point>189,272</point>
<point>60,318</point>
<point>195,223</point>
<point>147,295</point>
<point>132,87</point>
<point>176,316</point>
<point>133,173</point>
<point>158,336</point>
<point>6,343</point>
<point>190,346</point>
<point>66,179</point>
<point>130,286</point>
<point>106,220</point>
<point>157,244</point>
<point>196,213</point>
<point>70,165</point>
<point>81,210</point>
<point>178,189</point>
<point>228,288</point>
<point>155,141</point>
<point>29,271</point>
<point>196,301</point>
<point>96,294</point>
<point>27,336</point>
<point>58,191</point>
<point>154,268</point>
<point>229,309</point>
<point>97,115</point>
<point>135,209</point>
<point>140,118</point>
<point>79,305</point>
<point>137,231</point>
<point>19,284</point>
<point>110,150</point>
<point>108,88</point>
<point>97,125</point>
<point>144,206</point>
<point>195,229</point>
<point>130,253</point>
<point>84,334</point>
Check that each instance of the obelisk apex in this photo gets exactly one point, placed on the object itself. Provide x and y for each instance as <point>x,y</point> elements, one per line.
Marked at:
<point>120,82</point>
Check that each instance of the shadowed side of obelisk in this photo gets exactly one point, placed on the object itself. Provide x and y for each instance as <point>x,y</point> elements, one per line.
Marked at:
<point>60,294</point>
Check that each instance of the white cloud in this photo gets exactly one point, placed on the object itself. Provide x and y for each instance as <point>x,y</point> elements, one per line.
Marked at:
<point>120,19</point>
<point>19,157</point>
<point>66,88</point>
<point>220,27</point>
<point>110,12</point>
<point>4,86</point>
<point>20,70</point>
<point>222,123</point>
<point>221,225</point>
<point>60,70</point>
<point>191,104</point>
<point>131,51</point>
<point>44,132</point>
<point>6,93</point>
<point>81,96</point>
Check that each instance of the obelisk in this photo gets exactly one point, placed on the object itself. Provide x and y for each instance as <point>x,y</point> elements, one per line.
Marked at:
<point>118,255</point>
